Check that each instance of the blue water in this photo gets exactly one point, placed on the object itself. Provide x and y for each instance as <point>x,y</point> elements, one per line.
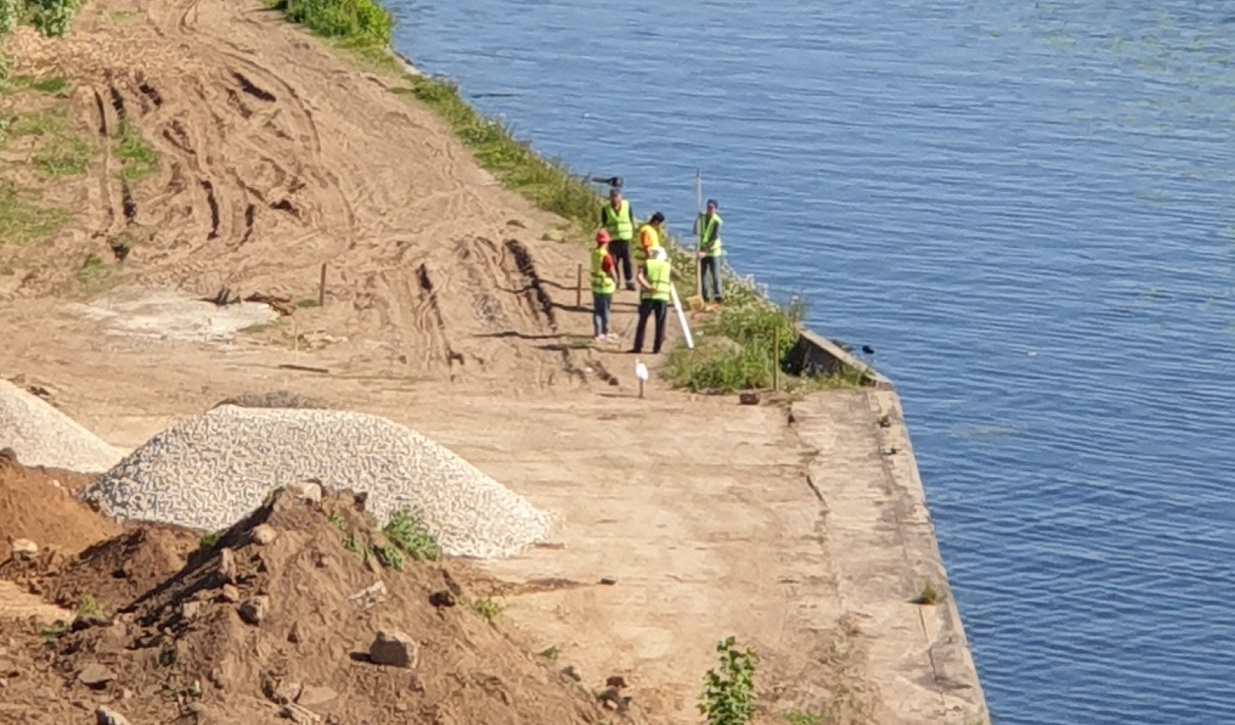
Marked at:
<point>1026,208</point>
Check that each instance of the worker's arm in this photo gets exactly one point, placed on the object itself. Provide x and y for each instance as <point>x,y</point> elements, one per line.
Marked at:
<point>674,274</point>
<point>609,268</point>
<point>641,276</point>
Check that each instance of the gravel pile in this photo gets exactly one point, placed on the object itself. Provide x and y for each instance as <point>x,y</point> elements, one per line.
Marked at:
<point>274,399</point>
<point>40,435</point>
<point>210,471</point>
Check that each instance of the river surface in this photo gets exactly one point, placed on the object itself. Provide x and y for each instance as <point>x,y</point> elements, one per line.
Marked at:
<point>1027,210</point>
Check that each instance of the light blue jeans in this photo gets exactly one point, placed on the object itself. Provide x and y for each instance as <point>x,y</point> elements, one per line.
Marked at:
<point>601,304</point>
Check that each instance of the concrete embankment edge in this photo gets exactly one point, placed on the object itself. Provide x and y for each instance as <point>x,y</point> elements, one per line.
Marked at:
<point>884,546</point>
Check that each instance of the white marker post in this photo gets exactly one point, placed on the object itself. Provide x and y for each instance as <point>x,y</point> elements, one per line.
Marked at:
<point>677,305</point>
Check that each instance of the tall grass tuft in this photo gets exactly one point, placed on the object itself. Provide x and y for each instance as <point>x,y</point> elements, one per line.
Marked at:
<point>736,348</point>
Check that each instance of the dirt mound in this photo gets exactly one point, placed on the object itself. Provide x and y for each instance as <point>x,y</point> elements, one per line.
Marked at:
<point>112,573</point>
<point>291,613</point>
<point>36,504</point>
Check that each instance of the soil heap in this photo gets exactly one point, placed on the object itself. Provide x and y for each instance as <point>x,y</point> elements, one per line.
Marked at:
<point>289,613</point>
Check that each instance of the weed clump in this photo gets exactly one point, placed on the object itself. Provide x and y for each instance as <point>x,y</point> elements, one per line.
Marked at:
<point>739,348</point>
<point>408,532</point>
<point>928,596</point>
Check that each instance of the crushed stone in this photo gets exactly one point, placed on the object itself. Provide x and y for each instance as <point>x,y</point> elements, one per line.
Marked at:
<point>41,435</point>
<point>209,471</point>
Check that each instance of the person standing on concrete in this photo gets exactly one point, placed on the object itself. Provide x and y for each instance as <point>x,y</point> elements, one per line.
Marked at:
<point>617,219</point>
<point>707,227</point>
<point>604,284</point>
<point>656,281</point>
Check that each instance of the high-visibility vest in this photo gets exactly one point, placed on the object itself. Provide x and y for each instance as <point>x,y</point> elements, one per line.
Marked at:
<point>711,249</point>
<point>602,283</point>
<point>618,222</point>
<point>649,239</point>
<point>660,277</point>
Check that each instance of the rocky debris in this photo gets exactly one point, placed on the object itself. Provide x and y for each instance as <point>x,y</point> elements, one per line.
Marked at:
<point>263,534</point>
<point>313,695</point>
<point>40,435</point>
<point>227,566</point>
<point>275,399</point>
<point>181,477</point>
<point>282,692</point>
<point>394,649</point>
<point>230,593</point>
<point>190,609</point>
<point>254,610</point>
<point>370,596</point>
<point>294,635</point>
<point>107,716</point>
<point>299,715</point>
<point>308,490</point>
<point>24,549</point>
<point>748,398</point>
<point>442,599</point>
<point>95,675</point>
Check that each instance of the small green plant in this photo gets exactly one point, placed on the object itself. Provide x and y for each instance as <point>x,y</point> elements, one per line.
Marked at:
<point>167,657</point>
<point>208,541</point>
<point>306,304</point>
<point>48,122</point>
<point>928,595</point>
<point>794,717</point>
<point>92,272</point>
<point>88,608</point>
<point>122,15</point>
<point>54,84</point>
<point>487,608</point>
<point>389,556</point>
<point>52,633</point>
<point>407,530</point>
<point>351,544</point>
<point>728,696</point>
<point>550,654</point>
<point>337,520</point>
<point>138,159</point>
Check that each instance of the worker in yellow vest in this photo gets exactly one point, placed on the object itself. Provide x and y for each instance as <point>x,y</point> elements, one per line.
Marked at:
<point>604,284</point>
<point>656,283</point>
<point>617,219</point>
<point>649,238</point>
<point>707,227</point>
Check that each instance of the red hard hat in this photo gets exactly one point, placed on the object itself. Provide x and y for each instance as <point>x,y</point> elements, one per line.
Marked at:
<point>602,237</point>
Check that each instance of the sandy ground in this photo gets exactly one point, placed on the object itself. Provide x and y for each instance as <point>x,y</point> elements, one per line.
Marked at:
<point>446,311</point>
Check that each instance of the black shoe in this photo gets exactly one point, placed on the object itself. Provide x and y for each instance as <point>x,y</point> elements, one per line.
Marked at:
<point>634,351</point>
<point>630,286</point>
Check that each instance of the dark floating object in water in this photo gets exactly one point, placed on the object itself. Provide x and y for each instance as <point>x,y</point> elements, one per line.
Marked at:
<point>868,349</point>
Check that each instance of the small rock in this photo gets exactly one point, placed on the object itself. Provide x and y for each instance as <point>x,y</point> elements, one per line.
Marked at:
<point>308,490</point>
<point>263,534</point>
<point>616,681</point>
<point>400,707</point>
<point>312,695</point>
<point>572,673</point>
<point>227,566</point>
<point>299,715</point>
<point>393,648</point>
<point>95,675</point>
<point>442,599</point>
<point>126,694</point>
<point>230,593</point>
<point>108,716</point>
<point>294,635</point>
<point>24,549</point>
<point>190,610</point>
<point>285,692</point>
<point>607,581</point>
<point>748,398</point>
<point>254,610</point>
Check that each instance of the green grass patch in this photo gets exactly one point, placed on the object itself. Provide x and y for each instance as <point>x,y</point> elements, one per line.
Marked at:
<point>928,596</point>
<point>794,717</point>
<point>736,348</point>
<point>64,156</point>
<point>351,23</point>
<point>48,122</point>
<point>138,159</point>
<point>89,609</point>
<point>407,531</point>
<point>23,220</point>
<point>306,304</point>
<point>51,85</point>
<point>92,273</point>
<point>122,15</point>
<point>487,608</point>
<point>389,557</point>
<point>208,541</point>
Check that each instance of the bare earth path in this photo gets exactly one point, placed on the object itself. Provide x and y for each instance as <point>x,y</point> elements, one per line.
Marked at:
<point>447,312</point>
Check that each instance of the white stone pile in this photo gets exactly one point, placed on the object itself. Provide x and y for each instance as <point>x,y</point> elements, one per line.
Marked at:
<point>40,435</point>
<point>210,471</point>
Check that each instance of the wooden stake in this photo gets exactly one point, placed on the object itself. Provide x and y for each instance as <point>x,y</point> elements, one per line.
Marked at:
<point>776,359</point>
<point>321,288</point>
<point>579,287</point>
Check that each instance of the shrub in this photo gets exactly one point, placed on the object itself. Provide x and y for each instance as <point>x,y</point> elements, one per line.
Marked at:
<point>728,696</point>
<point>50,17</point>
<point>735,348</point>
<point>356,22</point>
